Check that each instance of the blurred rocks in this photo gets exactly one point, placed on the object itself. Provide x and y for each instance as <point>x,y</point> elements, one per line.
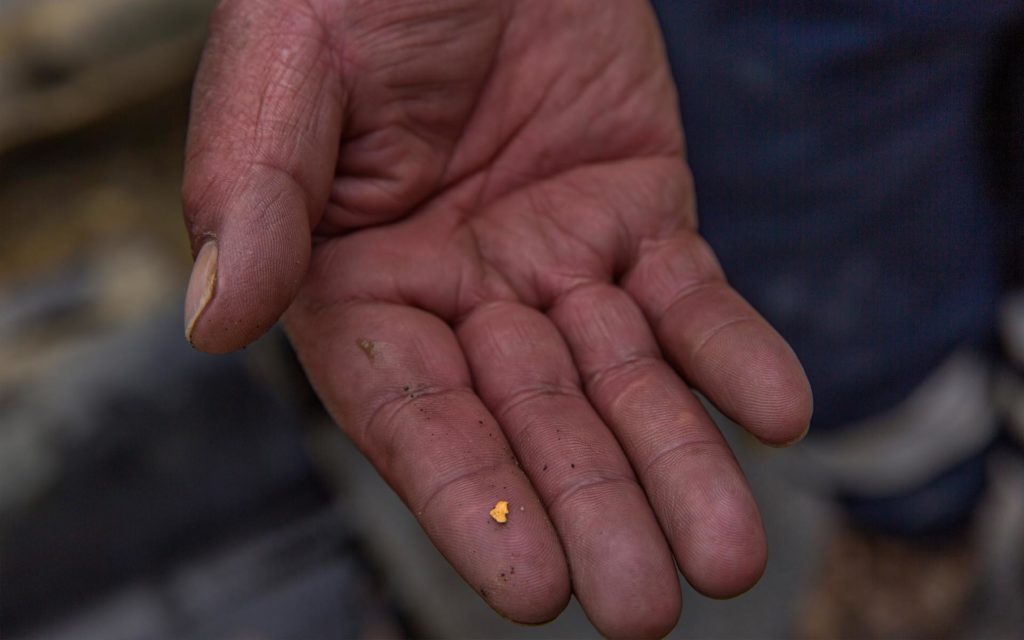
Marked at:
<point>146,490</point>
<point>56,337</point>
<point>68,63</point>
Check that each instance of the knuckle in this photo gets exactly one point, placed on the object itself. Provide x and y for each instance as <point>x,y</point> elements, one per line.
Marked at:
<point>594,481</point>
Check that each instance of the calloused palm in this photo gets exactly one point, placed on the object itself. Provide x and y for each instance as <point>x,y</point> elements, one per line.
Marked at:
<point>505,297</point>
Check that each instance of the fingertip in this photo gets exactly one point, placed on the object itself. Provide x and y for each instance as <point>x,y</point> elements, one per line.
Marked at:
<point>779,412</point>
<point>535,587</point>
<point>715,527</point>
<point>240,287</point>
<point>793,428</point>
<point>755,379</point>
<point>254,258</point>
<point>731,570</point>
<point>536,607</point>
<point>652,617</point>
<point>623,573</point>
<point>656,624</point>
<point>518,568</point>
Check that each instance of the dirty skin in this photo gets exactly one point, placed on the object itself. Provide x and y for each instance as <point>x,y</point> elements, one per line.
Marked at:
<point>368,348</point>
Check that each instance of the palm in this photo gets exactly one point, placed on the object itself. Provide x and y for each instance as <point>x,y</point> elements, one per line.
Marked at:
<point>506,254</point>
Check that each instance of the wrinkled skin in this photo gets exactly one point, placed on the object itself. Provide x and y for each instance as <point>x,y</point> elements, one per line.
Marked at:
<point>478,224</point>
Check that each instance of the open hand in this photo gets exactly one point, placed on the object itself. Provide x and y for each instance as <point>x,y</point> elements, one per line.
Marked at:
<point>478,223</point>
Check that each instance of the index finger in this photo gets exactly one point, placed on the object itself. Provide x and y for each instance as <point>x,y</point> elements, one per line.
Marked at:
<point>395,379</point>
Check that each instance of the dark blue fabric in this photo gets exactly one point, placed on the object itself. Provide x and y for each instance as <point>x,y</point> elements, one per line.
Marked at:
<point>838,154</point>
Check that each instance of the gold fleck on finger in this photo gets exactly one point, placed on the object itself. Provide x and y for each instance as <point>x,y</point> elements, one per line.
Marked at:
<point>500,512</point>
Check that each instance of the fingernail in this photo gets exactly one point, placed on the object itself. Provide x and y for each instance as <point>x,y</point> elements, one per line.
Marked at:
<point>200,286</point>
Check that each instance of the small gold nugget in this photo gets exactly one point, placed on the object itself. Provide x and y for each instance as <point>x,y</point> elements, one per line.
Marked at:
<point>500,512</point>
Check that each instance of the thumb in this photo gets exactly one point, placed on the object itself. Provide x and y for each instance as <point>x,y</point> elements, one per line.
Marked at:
<point>262,147</point>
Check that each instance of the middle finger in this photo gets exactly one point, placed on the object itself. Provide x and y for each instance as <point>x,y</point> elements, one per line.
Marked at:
<point>622,569</point>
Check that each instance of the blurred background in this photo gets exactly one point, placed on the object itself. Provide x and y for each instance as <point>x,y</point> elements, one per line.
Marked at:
<point>149,491</point>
